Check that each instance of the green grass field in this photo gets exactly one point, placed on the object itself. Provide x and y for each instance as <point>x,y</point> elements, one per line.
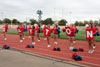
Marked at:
<point>80,36</point>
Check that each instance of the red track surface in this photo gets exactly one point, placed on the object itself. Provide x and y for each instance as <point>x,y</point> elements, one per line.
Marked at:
<point>64,54</point>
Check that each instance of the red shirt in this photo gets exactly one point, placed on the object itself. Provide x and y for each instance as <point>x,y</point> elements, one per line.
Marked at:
<point>30,30</point>
<point>55,30</point>
<point>47,32</point>
<point>89,34</point>
<point>33,32</point>
<point>20,29</point>
<point>75,29</point>
<point>94,30</point>
<point>70,31</point>
<point>38,28</point>
<point>5,28</point>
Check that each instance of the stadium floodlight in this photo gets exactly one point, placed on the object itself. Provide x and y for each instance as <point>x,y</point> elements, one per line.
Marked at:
<point>39,12</point>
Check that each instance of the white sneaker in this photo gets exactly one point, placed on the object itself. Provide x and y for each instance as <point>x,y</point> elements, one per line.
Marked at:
<point>5,38</point>
<point>55,42</point>
<point>21,41</point>
<point>49,46</point>
<point>94,46</point>
<point>71,48</point>
<point>45,38</point>
<point>33,43</point>
<point>38,40</point>
<point>23,38</point>
<point>29,36</point>
<point>89,51</point>
<point>92,51</point>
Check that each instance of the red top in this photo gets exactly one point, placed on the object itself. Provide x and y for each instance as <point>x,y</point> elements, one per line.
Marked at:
<point>47,32</point>
<point>38,28</point>
<point>70,31</point>
<point>5,28</point>
<point>94,30</point>
<point>30,30</point>
<point>75,29</point>
<point>20,29</point>
<point>23,29</point>
<point>89,34</point>
<point>55,30</point>
<point>33,32</point>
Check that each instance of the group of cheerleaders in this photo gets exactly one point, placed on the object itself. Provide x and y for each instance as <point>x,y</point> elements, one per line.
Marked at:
<point>70,30</point>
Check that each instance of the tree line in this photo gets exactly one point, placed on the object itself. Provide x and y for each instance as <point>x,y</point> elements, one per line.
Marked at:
<point>47,21</point>
<point>33,21</point>
<point>83,23</point>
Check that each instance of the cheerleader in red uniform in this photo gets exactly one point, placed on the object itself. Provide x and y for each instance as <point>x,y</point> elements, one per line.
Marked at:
<point>38,32</point>
<point>48,35</point>
<point>33,34</point>
<point>70,31</point>
<point>95,29</point>
<point>90,38</point>
<point>30,30</point>
<point>72,36</point>
<point>20,30</point>
<point>5,30</point>
<point>55,29</point>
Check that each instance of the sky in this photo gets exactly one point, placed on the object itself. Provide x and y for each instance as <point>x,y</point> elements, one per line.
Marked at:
<point>71,10</point>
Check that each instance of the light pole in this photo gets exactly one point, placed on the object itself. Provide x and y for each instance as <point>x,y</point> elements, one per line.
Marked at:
<point>39,12</point>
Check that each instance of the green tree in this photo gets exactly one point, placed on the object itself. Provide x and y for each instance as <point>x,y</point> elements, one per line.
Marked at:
<point>6,20</point>
<point>25,22</point>
<point>96,22</point>
<point>33,21</point>
<point>62,22</point>
<point>81,23</point>
<point>76,23</point>
<point>15,21</point>
<point>90,22</point>
<point>48,21</point>
<point>1,21</point>
<point>86,22</point>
